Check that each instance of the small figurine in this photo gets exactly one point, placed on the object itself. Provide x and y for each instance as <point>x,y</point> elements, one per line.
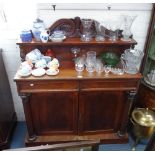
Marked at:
<point>50,53</point>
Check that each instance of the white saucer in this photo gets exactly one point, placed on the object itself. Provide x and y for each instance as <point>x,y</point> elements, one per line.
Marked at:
<point>49,72</point>
<point>24,75</point>
<point>38,72</point>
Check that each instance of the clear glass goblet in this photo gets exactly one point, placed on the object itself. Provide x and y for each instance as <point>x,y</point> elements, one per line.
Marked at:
<point>90,61</point>
<point>99,66</point>
<point>79,65</point>
<point>107,69</point>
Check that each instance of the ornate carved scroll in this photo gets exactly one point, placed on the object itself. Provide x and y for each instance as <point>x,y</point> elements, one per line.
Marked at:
<point>67,25</point>
<point>74,28</point>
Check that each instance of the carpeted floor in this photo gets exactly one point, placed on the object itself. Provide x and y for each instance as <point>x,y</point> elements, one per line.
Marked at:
<point>20,131</point>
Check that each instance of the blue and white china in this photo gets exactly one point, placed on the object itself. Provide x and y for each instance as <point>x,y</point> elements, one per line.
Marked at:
<point>44,36</point>
<point>34,55</point>
<point>26,36</point>
<point>38,27</point>
<point>41,64</point>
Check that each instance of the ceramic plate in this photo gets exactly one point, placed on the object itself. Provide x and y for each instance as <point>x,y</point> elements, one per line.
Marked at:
<point>49,72</point>
<point>38,72</point>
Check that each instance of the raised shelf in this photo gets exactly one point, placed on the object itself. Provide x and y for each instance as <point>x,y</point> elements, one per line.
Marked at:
<point>77,41</point>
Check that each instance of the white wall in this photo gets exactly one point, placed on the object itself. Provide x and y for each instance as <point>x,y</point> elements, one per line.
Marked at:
<point>20,17</point>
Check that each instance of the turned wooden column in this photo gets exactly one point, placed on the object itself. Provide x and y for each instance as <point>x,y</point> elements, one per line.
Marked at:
<point>123,128</point>
<point>28,116</point>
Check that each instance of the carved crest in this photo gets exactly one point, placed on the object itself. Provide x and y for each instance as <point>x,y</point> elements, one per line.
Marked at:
<point>74,28</point>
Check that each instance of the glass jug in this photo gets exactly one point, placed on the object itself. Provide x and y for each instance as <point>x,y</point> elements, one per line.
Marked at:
<point>132,59</point>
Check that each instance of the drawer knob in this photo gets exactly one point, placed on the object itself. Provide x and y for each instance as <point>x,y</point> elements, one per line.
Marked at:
<point>31,84</point>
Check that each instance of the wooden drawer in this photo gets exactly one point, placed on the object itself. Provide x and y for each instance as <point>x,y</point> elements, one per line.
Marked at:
<point>46,86</point>
<point>109,85</point>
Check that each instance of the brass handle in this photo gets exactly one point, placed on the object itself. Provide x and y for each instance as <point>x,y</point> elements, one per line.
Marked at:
<point>132,121</point>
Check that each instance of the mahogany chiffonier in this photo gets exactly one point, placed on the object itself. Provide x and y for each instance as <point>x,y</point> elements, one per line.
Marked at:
<point>70,108</point>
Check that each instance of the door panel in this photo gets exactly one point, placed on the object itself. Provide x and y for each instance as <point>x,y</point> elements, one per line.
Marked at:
<point>55,112</point>
<point>100,111</point>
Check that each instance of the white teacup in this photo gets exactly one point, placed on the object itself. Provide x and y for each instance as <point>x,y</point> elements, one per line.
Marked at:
<point>25,70</point>
<point>54,63</point>
<point>41,64</point>
<point>34,55</point>
<point>26,64</point>
<point>47,59</point>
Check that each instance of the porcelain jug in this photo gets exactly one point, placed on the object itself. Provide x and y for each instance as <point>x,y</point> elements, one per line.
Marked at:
<point>44,36</point>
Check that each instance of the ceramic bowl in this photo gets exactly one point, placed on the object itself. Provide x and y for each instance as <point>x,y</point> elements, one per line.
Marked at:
<point>55,39</point>
<point>110,58</point>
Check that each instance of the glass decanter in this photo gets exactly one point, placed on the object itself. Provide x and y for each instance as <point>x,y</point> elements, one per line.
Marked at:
<point>86,34</point>
<point>114,26</point>
<point>128,21</point>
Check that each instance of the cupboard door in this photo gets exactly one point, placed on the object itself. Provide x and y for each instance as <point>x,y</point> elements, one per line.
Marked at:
<point>54,113</point>
<point>100,111</point>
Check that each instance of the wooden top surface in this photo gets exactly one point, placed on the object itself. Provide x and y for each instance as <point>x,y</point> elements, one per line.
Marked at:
<point>71,74</point>
<point>70,41</point>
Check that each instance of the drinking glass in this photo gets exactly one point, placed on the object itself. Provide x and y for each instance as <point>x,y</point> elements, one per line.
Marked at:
<point>90,61</point>
<point>107,69</point>
<point>114,26</point>
<point>79,65</point>
<point>99,66</point>
<point>113,35</point>
<point>86,34</point>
